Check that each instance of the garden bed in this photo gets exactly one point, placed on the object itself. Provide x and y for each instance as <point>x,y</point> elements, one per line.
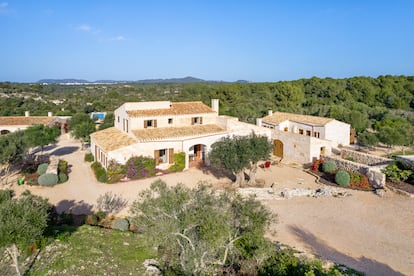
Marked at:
<point>329,179</point>
<point>400,185</point>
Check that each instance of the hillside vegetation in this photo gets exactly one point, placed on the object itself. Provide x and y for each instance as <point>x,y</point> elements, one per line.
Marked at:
<point>364,102</point>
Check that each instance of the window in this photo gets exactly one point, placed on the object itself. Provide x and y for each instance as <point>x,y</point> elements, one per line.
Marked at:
<point>118,119</point>
<point>286,129</point>
<point>196,120</point>
<point>170,121</point>
<point>150,123</point>
<point>308,133</point>
<point>162,156</point>
<point>316,134</point>
<point>301,131</point>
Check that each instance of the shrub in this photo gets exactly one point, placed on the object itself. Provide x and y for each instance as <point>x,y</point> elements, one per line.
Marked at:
<point>329,167</point>
<point>342,178</point>
<point>48,179</point>
<point>139,167</point>
<point>63,166</point>
<point>89,157</point>
<point>100,172</point>
<point>359,181</point>
<point>110,203</point>
<point>317,165</point>
<point>42,168</point>
<point>114,172</point>
<point>63,178</point>
<point>398,171</point>
<point>179,162</point>
<point>121,224</point>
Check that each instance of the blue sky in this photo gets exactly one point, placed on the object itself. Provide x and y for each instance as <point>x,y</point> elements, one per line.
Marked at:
<point>227,40</point>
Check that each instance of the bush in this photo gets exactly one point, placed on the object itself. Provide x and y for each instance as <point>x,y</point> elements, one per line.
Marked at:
<point>179,162</point>
<point>89,157</point>
<point>110,203</point>
<point>342,178</point>
<point>359,181</point>
<point>42,168</point>
<point>63,166</point>
<point>140,167</point>
<point>121,224</point>
<point>115,172</point>
<point>329,167</point>
<point>398,171</point>
<point>317,165</point>
<point>100,172</point>
<point>48,179</point>
<point>63,178</point>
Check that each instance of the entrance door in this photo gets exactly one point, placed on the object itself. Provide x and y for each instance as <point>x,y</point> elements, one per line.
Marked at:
<point>278,148</point>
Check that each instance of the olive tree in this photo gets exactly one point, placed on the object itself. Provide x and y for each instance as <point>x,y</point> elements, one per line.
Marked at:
<point>239,153</point>
<point>22,222</point>
<point>41,135</point>
<point>199,231</point>
<point>81,126</point>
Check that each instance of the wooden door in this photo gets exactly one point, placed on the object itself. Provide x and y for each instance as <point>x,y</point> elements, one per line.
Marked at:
<point>278,148</point>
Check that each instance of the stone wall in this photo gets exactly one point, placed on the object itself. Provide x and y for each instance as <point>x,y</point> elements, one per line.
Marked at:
<point>365,158</point>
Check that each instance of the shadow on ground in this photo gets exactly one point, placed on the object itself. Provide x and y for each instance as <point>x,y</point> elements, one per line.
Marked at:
<point>74,207</point>
<point>320,248</point>
<point>64,151</point>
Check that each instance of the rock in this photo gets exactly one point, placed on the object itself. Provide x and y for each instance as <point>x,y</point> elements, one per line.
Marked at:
<point>380,192</point>
<point>297,192</point>
<point>151,267</point>
<point>376,178</point>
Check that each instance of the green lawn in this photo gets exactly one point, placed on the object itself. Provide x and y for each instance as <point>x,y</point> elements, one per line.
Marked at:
<point>93,251</point>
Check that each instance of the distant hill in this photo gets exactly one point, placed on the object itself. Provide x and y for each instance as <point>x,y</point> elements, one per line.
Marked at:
<point>188,79</point>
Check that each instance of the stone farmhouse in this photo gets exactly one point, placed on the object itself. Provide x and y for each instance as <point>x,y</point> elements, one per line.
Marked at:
<point>14,123</point>
<point>303,138</point>
<point>160,129</point>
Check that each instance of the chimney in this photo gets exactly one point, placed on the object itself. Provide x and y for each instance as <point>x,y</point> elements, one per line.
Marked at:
<point>270,112</point>
<point>26,114</point>
<point>215,105</point>
<point>258,122</point>
<point>49,114</point>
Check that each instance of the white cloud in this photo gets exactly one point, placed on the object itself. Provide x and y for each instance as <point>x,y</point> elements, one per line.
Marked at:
<point>3,5</point>
<point>85,27</point>
<point>119,37</point>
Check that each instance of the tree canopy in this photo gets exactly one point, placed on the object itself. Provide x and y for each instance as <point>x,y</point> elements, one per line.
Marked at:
<point>198,231</point>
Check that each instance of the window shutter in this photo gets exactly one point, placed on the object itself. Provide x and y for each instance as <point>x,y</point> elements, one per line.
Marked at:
<point>171,156</point>
<point>145,124</point>
<point>201,120</point>
<point>155,123</point>
<point>192,121</point>
<point>157,157</point>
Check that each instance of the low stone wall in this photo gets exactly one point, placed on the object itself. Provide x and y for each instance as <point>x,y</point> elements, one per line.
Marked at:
<point>365,158</point>
<point>376,178</point>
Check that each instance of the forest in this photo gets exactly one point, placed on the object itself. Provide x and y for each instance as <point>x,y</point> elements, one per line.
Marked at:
<point>379,109</point>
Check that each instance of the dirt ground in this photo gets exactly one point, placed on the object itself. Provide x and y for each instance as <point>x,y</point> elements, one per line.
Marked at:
<point>363,231</point>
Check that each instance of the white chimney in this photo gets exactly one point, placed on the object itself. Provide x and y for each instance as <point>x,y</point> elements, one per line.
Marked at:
<point>270,112</point>
<point>26,113</point>
<point>49,114</point>
<point>258,122</point>
<point>215,105</point>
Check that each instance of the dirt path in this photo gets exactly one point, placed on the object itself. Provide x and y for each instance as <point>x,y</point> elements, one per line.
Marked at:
<point>364,231</point>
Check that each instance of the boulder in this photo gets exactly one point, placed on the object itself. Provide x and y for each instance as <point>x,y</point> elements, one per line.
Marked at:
<point>376,178</point>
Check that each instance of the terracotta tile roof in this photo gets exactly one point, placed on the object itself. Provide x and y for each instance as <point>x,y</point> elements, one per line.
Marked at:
<point>179,108</point>
<point>26,121</point>
<point>278,117</point>
<point>112,138</point>
<point>159,134</point>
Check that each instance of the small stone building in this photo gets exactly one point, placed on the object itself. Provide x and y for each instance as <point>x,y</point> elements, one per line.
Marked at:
<point>303,138</point>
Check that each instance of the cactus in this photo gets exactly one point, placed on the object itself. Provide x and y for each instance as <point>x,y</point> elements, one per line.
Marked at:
<point>343,178</point>
<point>41,169</point>
<point>48,179</point>
<point>329,167</point>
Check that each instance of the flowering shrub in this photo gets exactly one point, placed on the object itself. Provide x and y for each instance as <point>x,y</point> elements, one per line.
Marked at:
<point>360,181</point>
<point>317,165</point>
<point>140,167</point>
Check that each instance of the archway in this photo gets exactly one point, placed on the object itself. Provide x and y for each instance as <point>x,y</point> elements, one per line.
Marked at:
<point>196,155</point>
<point>278,148</point>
